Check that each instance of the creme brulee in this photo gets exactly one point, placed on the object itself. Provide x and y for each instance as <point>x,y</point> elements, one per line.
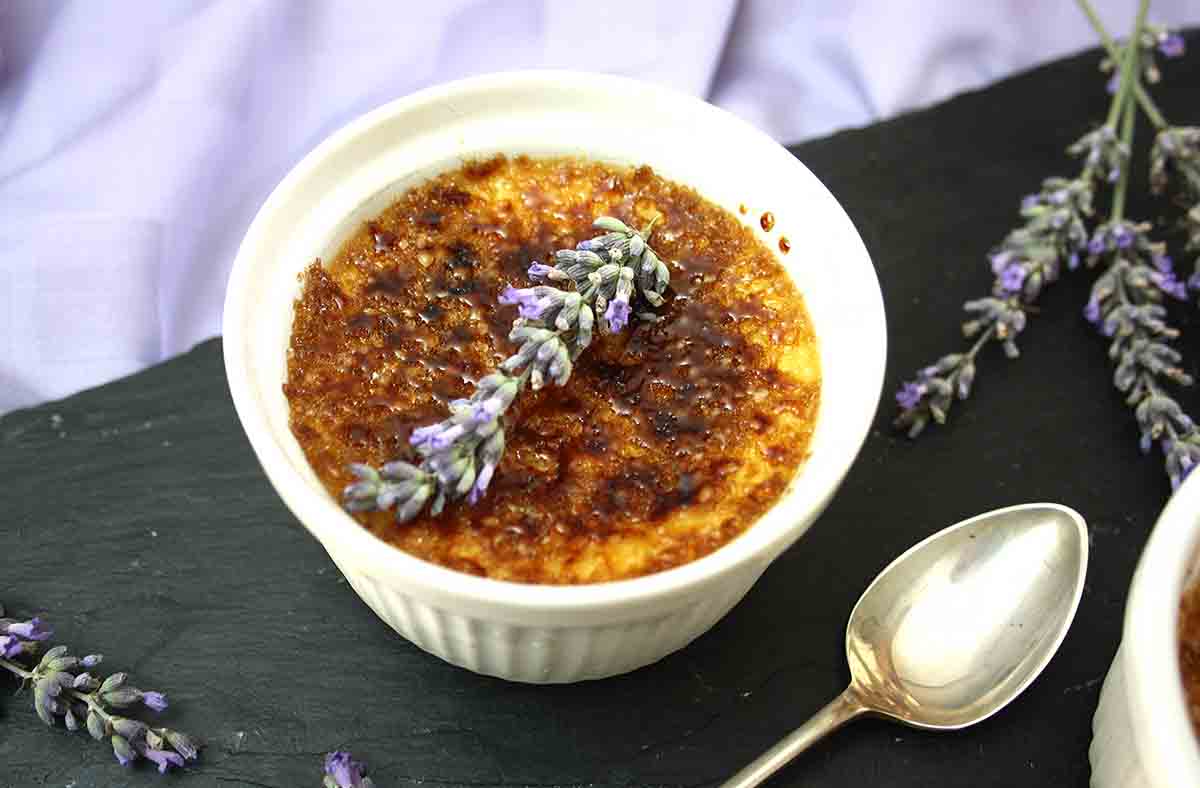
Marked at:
<point>669,439</point>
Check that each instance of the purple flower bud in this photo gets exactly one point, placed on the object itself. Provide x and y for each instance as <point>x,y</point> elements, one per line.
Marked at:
<point>424,434</point>
<point>125,754</point>
<point>481,483</point>
<point>1171,44</point>
<point>540,271</point>
<point>10,646</point>
<point>524,298</point>
<point>617,314</point>
<point>1164,263</point>
<point>33,629</point>
<point>446,437</point>
<point>1030,201</point>
<point>347,773</point>
<point>1167,283</point>
<point>91,660</point>
<point>1091,311</point>
<point>1096,245</point>
<point>1113,83</point>
<point>1000,261</point>
<point>1123,236</point>
<point>1012,278</point>
<point>165,759</point>
<point>154,700</point>
<point>910,395</point>
<point>1073,261</point>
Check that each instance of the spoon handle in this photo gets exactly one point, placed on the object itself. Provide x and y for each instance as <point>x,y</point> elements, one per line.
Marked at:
<point>837,713</point>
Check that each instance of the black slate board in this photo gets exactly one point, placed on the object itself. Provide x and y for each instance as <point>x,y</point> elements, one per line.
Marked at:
<point>136,519</point>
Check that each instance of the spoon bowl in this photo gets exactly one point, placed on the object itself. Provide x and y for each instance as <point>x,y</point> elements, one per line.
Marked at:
<point>956,627</point>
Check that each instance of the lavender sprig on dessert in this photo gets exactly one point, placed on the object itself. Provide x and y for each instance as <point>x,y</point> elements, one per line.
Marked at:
<point>64,688</point>
<point>614,276</point>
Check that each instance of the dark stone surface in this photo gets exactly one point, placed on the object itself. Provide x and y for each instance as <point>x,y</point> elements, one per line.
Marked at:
<point>136,518</point>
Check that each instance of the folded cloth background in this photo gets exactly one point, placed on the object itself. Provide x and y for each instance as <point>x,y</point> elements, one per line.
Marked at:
<point>138,139</point>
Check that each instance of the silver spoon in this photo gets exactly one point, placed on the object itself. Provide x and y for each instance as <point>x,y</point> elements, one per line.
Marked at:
<point>955,628</point>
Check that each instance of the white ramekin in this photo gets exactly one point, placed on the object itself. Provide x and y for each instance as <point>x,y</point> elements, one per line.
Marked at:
<point>527,632</point>
<point>1141,734</point>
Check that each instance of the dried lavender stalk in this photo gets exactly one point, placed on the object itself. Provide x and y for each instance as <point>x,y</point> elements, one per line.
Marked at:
<point>610,275</point>
<point>1136,273</point>
<point>64,688</point>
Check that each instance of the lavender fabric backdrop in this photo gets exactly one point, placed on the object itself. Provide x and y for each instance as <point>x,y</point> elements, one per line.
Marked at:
<point>137,139</point>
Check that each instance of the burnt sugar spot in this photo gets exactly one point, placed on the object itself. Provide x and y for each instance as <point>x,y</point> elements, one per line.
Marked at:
<point>393,283</point>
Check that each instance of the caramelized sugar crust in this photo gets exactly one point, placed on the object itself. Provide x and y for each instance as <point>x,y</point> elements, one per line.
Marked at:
<point>669,439</point>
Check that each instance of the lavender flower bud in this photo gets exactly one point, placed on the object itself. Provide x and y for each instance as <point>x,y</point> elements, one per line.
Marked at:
<point>85,682</point>
<point>91,660</point>
<point>1171,45</point>
<point>583,331</point>
<point>541,271</point>
<point>113,681</point>
<point>96,726</point>
<point>966,376</point>
<point>11,646</point>
<point>183,744</point>
<point>492,449</point>
<point>569,313</point>
<point>612,225</point>
<point>154,700</point>
<point>33,629</point>
<point>410,508</point>
<point>43,704</point>
<point>617,315</point>
<point>121,697</point>
<point>343,771</point>
<point>129,729</point>
<point>559,369</point>
<point>1033,287</point>
<point>164,759</point>
<point>399,471</point>
<point>125,753</point>
<point>71,721</point>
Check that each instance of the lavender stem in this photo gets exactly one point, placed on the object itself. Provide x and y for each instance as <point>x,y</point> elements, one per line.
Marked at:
<point>13,667</point>
<point>1143,98</point>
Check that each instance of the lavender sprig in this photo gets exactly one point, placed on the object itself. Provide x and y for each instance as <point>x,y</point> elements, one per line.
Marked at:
<point>1136,273</point>
<point>615,275</point>
<point>1126,305</point>
<point>342,771</point>
<point>1031,257</point>
<point>1175,165</point>
<point>63,687</point>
